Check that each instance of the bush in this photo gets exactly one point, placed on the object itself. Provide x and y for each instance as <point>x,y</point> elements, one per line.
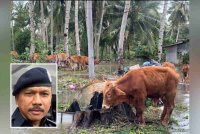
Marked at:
<point>186,58</point>
<point>22,40</point>
<point>150,51</point>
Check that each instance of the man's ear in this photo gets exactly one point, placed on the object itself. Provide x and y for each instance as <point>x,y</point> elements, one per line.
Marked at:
<point>16,99</point>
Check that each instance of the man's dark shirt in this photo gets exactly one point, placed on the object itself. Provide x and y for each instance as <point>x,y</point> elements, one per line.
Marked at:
<point>19,121</point>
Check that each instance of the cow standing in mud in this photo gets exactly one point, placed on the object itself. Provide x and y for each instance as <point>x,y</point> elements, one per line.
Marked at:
<point>136,85</point>
<point>185,70</point>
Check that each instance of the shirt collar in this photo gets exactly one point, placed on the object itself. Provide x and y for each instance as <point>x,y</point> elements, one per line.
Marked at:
<point>19,120</point>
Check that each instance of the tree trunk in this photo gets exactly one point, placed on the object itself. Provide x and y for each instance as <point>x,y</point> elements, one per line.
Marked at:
<point>171,34</point>
<point>99,31</point>
<point>66,34</point>
<point>77,29</point>
<point>121,34</point>
<point>51,45</point>
<point>90,39</point>
<point>42,22</point>
<point>178,30</point>
<point>46,35</point>
<point>32,28</point>
<point>161,31</point>
<point>12,26</point>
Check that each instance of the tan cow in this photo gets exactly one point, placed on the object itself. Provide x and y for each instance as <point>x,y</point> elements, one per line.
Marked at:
<point>168,64</point>
<point>34,57</point>
<point>14,54</point>
<point>136,85</point>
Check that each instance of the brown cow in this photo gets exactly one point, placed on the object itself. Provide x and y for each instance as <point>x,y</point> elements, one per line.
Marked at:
<point>14,54</point>
<point>51,58</point>
<point>62,58</point>
<point>34,57</point>
<point>82,61</point>
<point>75,59</point>
<point>185,70</point>
<point>136,85</point>
<point>168,64</point>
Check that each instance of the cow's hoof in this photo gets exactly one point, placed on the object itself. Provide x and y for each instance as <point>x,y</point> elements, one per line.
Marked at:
<point>164,123</point>
<point>142,125</point>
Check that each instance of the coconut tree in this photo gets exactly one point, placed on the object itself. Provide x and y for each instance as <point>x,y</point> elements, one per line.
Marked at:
<point>32,28</point>
<point>179,15</point>
<point>42,21</point>
<point>66,34</point>
<point>161,31</point>
<point>52,23</point>
<point>99,30</point>
<point>142,24</point>
<point>90,38</point>
<point>122,32</point>
<point>12,25</point>
<point>77,29</point>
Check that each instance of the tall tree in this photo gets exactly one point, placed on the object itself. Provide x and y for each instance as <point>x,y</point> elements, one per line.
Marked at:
<point>12,25</point>
<point>179,15</point>
<point>32,28</point>
<point>77,29</point>
<point>52,23</point>
<point>99,30</point>
<point>66,30</point>
<point>42,21</point>
<point>161,31</point>
<point>90,39</point>
<point>121,34</point>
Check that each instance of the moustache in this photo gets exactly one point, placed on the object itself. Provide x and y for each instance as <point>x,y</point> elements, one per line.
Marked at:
<point>36,109</point>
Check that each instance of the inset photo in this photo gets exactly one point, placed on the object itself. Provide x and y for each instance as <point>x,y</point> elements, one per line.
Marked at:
<point>33,99</point>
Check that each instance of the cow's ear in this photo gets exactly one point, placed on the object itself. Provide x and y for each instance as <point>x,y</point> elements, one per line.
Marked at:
<point>119,92</point>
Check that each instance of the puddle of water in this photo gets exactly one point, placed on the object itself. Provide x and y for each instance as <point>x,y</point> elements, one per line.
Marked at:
<point>181,116</point>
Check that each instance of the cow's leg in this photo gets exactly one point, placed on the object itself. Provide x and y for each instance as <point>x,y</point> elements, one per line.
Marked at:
<point>169,106</point>
<point>140,112</point>
<point>155,102</point>
<point>164,110</point>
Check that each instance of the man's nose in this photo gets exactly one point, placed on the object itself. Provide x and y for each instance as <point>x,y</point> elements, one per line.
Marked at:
<point>37,100</point>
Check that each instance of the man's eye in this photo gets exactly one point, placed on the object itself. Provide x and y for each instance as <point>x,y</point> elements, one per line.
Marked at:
<point>45,94</point>
<point>28,93</point>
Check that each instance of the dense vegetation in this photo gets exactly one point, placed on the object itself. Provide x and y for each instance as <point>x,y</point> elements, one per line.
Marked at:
<point>141,34</point>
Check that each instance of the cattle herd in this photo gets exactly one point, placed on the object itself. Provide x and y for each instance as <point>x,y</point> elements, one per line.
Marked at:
<point>133,87</point>
<point>74,62</point>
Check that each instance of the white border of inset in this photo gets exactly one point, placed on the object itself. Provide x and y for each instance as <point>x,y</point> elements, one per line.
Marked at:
<point>56,85</point>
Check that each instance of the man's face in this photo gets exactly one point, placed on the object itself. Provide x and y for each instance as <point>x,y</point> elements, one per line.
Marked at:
<point>34,102</point>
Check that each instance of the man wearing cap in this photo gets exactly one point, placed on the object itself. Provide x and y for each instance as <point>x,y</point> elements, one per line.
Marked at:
<point>33,97</point>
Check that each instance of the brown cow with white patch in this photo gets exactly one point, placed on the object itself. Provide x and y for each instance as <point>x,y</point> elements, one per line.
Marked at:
<point>136,85</point>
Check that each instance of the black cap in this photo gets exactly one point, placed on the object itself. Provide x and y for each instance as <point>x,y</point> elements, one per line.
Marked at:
<point>34,77</point>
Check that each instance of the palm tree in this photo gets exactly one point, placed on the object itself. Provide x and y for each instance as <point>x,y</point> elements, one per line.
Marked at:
<point>179,15</point>
<point>52,24</point>
<point>122,32</point>
<point>142,24</point>
<point>99,30</point>
<point>66,34</point>
<point>77,29</point>
<point>42,21</point>
<point>90,38</point>
<point>162,26</point>
<point>32,28</point>
<point>12,25</point>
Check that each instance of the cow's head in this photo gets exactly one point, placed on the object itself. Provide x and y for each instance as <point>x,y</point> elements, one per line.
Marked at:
<point>111,95</point>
